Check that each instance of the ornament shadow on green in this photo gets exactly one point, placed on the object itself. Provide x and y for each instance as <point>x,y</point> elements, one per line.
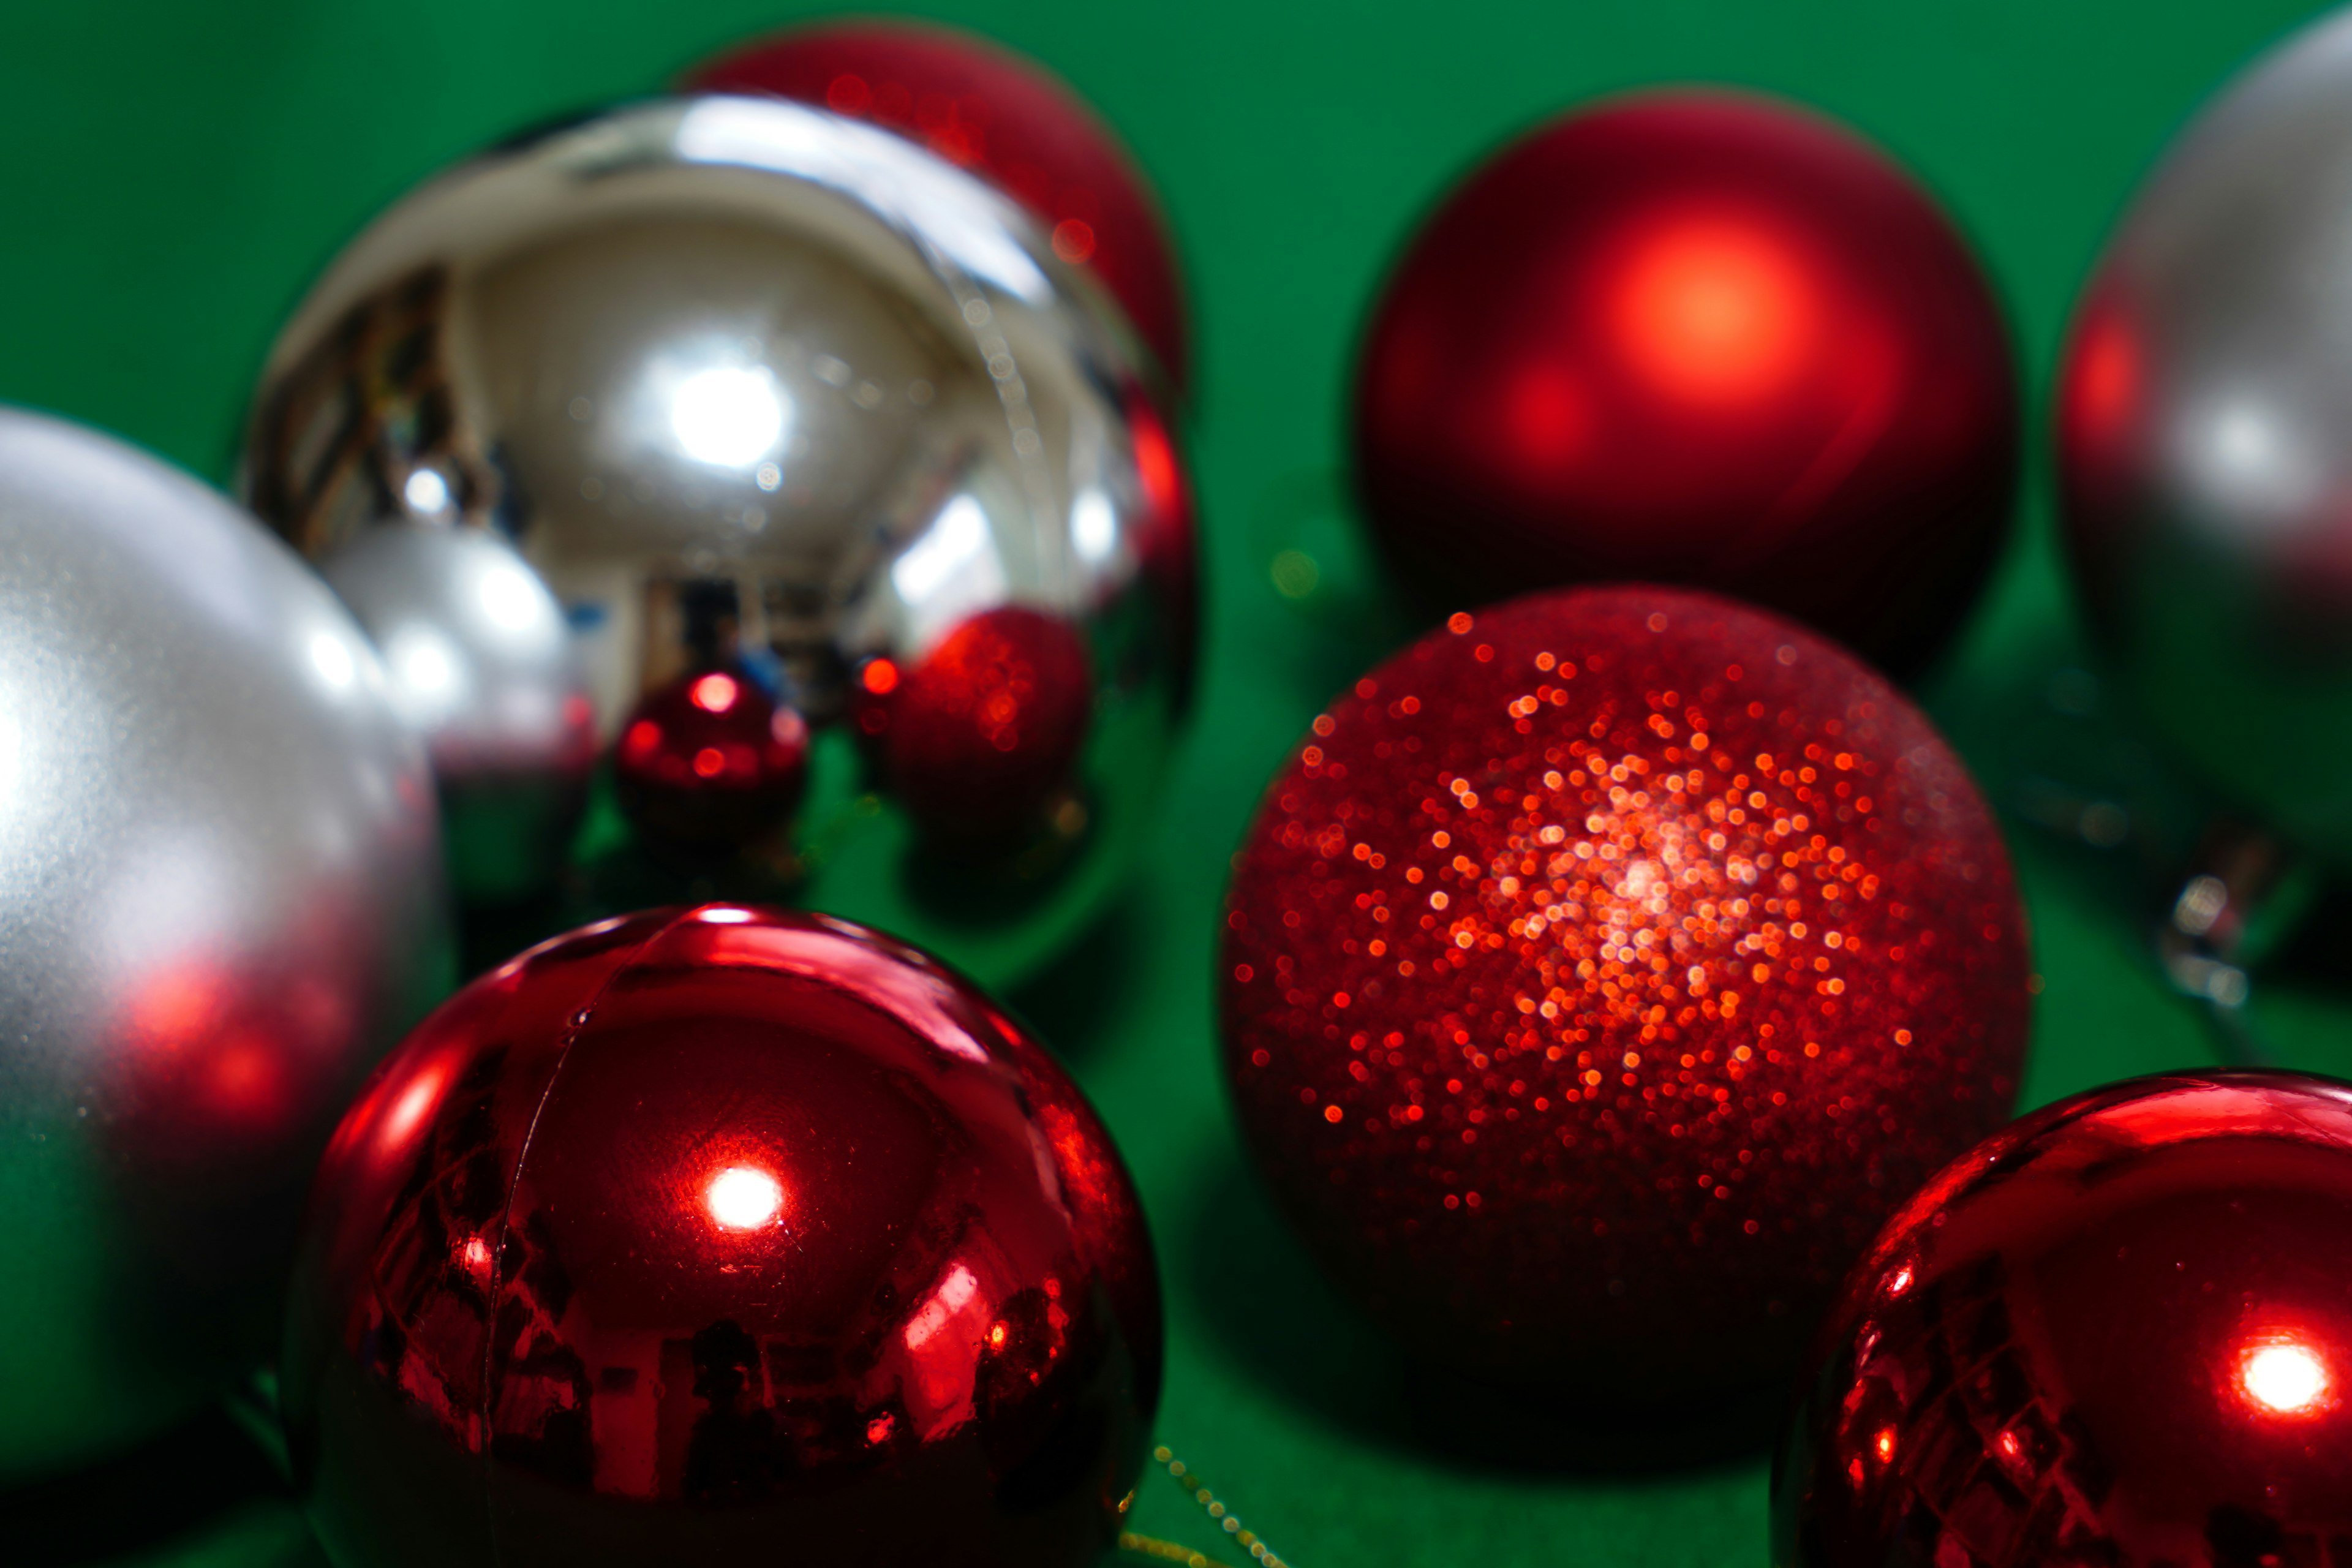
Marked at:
<point>1268,1312</point>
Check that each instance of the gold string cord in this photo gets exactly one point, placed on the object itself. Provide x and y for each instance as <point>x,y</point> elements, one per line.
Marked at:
<point>1212,1505</point>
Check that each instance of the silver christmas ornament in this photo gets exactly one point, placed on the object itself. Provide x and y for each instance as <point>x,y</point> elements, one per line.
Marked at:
<point>220,900</point>
<point>2205,442</point>
<point>481,665</point>
<point>764,392</point>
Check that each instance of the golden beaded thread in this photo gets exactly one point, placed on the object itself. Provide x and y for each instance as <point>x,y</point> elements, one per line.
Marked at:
<point>1227,1521</point>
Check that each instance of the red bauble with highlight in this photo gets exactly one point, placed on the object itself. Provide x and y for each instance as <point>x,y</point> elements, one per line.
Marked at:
<point>982,736</point>
<point>1598,977</point>
<point>710,761</point>
<point>1702,338</point>
<point>1007,119</point>
<point>691,1233</point>
<point>2119,1333</point>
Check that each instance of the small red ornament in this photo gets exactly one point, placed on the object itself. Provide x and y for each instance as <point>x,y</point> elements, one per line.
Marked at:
<point>1600,974</point>
<point>699,1237</point>
<point>710,761</point>
<point>2119,1333</point>
<point>1007,119</point>
<point>1695,337</point>
<point>983,733</point>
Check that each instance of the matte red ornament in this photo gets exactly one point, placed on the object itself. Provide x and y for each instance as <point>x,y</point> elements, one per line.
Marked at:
<point>1600,974</point>
<point>1695,337</point>
<point>702,1236</point>
<point>1010,120</point>
<point>2119,1333</point>
<point>710,759</point>
<point>984,734</point>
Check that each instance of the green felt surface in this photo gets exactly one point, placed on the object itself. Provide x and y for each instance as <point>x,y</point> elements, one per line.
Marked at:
<point>175,172</point>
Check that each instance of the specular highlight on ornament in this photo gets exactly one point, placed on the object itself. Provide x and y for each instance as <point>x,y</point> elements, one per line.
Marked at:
<point>761,391</point>
<point>697,1230</point>
<point>1696,337</point>
<point>1599,973</point>
<point>2115,1332</point>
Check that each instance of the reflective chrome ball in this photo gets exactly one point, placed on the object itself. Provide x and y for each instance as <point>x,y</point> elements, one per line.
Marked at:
<point>482,666</point>
<point>220,900</point>
<point>2205,439</point>
<point>763,390</point>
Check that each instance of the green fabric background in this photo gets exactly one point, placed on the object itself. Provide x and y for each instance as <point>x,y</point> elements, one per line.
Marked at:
<point>174,173</point>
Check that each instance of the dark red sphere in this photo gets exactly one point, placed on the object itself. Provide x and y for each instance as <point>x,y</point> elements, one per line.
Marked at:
<point>1600,974</point>
<point>699,1237</point>
<point>1695,337</point>
<point>1007,119</point>
<point>711,760</point>
<point>983,733</point>
<point>2119,1333</point>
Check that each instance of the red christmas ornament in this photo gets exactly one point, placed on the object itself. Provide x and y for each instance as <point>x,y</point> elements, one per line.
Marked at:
<point>692,1234</point>
<point>1008,120</point>
<point>1600,974</point>
<point>1695,337</point>
<point>982,735</point>
<point>710,759</point>
<point>2119,1333</point>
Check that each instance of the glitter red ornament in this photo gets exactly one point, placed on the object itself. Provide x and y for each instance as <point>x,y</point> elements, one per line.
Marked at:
<point>982,735</point>
<point>710,761</point>
<point>1600,974</point>
<point>1007,119</point>
<point>2118,1333</point>
<point>693,1233</point>
<point>1693,337</point>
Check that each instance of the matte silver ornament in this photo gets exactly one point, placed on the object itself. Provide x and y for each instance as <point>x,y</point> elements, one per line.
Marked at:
<point>220,900</point>
<point>765,392</point>
<point>2205,442</point>
<point>481,665</point>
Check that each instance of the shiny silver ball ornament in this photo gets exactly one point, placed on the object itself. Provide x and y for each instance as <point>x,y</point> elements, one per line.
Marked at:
<point>482,664</point>
<point>769,393</point>
<point>2205,442</point>
<point>220,900</point>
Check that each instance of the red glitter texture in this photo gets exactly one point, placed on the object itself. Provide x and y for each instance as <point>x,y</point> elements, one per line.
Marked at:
<point>1695,337</point>
<point>2117,1333</point>
<point>1007,119</point>
<point>1600,974</point>
<point>983,733</point>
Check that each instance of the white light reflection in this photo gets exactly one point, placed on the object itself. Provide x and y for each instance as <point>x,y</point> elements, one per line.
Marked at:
<point>956,542</point>
<point>332,661</point>
<point>1094,527</point>
<point>428,674</point>
<point>728,416</point>
<point>511,598</point>
<point>945,207</point>
<point>955,1293</point>
<point>426,492</point>
<point>743,1197</point>
<point>2248,459</point>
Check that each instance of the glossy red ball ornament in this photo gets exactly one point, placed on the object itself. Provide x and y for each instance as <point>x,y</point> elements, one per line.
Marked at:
<point>710,761</point>
<point>2119,1333</point>
<point>982,734</point>
<point>1007,119</point>
<point>1598,975</point>
<point>709,1236</point>
<point>1702,338</point>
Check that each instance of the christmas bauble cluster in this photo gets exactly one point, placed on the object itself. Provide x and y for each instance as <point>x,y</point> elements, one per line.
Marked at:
<point>783,405</point>
<point>778,490</point>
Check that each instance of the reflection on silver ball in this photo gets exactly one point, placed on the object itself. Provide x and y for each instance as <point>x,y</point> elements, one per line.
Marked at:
<point>762,391</point>
<point>2205,441</point>
<point>220,900</point>
<point>482,666</point>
